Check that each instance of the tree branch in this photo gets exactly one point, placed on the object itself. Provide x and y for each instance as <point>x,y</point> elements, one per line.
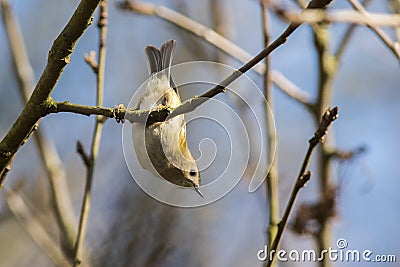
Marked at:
<point>217,40</point>
<point>90,162</point>
<point>119,113</point>
<point>81,151</point>
<point>59,57</point>
<point>90,59</point>
<point>394,47</point>
<point>347,36</point>
<point>327,69</point>
<point>272,176</point>
<point>160,114</point>
<point>304,176</point>
<point>340,16</point>
<point>191,104</point>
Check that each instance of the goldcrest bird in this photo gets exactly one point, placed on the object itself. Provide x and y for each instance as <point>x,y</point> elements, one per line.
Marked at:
<point>164,150</point>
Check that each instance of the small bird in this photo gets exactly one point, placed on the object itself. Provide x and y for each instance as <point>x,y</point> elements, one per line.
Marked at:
<point>164,150</point>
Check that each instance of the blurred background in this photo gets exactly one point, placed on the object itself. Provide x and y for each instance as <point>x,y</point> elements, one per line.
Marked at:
<point>126,227</point>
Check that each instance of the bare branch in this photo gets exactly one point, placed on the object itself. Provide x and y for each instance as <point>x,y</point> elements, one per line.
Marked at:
<point>94,150</point>
<point>304,176</point>
<point>119,112</point>
<point>291,89</point>
<point>394,5</point>
<point>393,46</point>
<point>191,104</point>
<point>347,154</point>
<point>327,69</point>
<point>81,151</point>
<point>340,16</point>
<point>347,36</point>
<point>216,40</point>
<point>90,59</point>
<point>272,176</point>
<point>59,57</point>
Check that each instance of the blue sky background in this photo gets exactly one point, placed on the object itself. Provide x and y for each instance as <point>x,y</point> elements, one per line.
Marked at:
<point>230,231</point>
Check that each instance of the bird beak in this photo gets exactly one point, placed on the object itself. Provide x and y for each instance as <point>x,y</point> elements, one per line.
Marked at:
<point>198,191</point>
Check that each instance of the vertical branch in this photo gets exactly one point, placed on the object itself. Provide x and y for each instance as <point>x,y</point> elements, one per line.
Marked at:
<point>328,65</point>
<point>60,198</point>
<point>272,176</point>
<point>102,24</point>
<point>395,7</point>
<point>327,69</point>
<point>221,23</point>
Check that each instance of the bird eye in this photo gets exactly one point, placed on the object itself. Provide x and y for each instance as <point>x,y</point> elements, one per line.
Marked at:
<point>192,173</point>
<point>164,100</point>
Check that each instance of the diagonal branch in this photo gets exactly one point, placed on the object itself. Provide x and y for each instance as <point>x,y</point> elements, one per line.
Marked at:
<point>161,114</point>
<point>347,36</point>
<point>339,16</point>
<point>191,104</point>
<point>304,176</point>
<point>217,40</point>
<point>394,47</point>
<point>58,58</point>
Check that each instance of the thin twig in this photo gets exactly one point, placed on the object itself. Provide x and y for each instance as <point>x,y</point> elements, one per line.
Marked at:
<point>90,59</point>
<point>22,66</point>
<point>272,176</point>
<point>3,175</point>
<point>216,40</point>
<point>347,36</point>
<point>339,16</point>
<point>81,151</point>
<point>347,154</point>
<point>119,112</point>
<point>291,89</point>
<point>102,25</point>
<point>304,176</point>
<point>191,104</point>
<point>19,208</point>
<point>59,57</point>
<point>60,198</point>
<point>393,46</point>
